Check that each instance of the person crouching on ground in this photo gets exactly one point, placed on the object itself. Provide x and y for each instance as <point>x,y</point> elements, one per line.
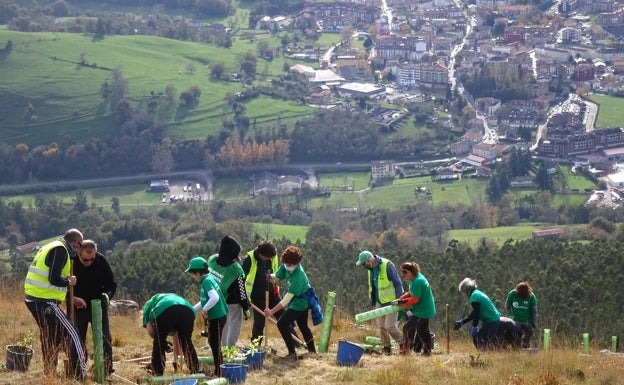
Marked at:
<point>168,314</point>
<point>483,310</point>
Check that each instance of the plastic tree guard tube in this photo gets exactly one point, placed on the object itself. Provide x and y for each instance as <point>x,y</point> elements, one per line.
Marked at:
<point>376,313</point>
<point>327,322</point>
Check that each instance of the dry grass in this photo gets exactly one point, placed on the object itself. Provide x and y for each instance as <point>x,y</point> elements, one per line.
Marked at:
<point>463,366</point>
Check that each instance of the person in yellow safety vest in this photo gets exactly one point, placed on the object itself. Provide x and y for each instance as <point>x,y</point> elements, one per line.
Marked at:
<point>384,286</point>
<point>259,264</point>
<point>45,288</point>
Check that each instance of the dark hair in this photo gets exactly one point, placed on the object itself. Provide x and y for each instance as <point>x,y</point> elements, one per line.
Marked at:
<point>412,267</point>
<point>524,290</point>
<point>291,256</point>
<point>265,248</point>
<point>200,271</point>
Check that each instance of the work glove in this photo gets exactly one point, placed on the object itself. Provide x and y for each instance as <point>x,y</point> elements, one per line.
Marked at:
<point>104,299</point>
<point>247,314</point>
<point>473,331</point>
<point>398,301</point>
<point>458,325</point>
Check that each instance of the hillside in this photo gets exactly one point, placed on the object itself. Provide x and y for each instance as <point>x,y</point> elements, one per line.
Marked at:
<point>55,86</point>
<point>562,364</point>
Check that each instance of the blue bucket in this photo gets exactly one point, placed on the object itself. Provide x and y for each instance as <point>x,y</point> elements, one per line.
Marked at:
<point>234,373</point>
<point>256,360</point>
<point>190,381</point>
<point>349,354</point>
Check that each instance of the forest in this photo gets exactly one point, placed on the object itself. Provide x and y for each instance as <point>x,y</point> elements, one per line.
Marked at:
<point>577,283</point>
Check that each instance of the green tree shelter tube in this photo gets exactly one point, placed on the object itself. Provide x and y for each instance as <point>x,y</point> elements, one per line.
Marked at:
<point>327,322</point>
<point>98,340</point>
<point>376,313</point>
<point>176,377</point>
<point>210,360</point>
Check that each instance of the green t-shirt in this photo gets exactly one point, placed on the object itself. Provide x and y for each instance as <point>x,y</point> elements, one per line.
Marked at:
<point>207,284</point>
<point>425,307</point>
<point>487,311</point>
<point>521,307</point>
<point>224,275</point>
<point>156,305</point>
<point>297,284</point>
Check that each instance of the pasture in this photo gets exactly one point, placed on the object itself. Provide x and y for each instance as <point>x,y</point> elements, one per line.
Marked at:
<point>609,111</point>
<point>48,95</point>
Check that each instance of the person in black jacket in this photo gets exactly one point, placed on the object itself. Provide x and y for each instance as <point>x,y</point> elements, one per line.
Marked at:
<point>259,264</point>
<point>95,281</point>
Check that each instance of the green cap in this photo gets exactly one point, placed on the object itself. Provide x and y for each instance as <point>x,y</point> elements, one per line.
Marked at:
<point>197,263</point>
<point>364,256</point>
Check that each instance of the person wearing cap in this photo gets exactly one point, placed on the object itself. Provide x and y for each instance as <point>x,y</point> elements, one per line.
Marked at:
<point>227,271</point>
<point>95,281</point>
<point>483,309</point>
<point>211,306</point>
<point>169,314</point>
<point>384,286</point>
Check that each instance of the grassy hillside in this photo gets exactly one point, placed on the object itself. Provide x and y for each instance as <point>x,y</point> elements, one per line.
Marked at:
<point>461,364</point>
<point>41,72</point>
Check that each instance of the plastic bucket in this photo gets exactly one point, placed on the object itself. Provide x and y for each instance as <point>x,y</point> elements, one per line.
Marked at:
<point>256,360</point>
<point>349,354</point>
<point>190,381</point>
<point>18,357</point>
<point>234,373</point>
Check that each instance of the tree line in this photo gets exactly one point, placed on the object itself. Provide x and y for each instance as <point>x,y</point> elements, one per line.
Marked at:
<point>577,283</point>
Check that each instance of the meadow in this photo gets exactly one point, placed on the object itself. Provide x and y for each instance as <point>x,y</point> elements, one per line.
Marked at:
<point>454,361</point>
<point>65,97</point>
<point>610,110</point>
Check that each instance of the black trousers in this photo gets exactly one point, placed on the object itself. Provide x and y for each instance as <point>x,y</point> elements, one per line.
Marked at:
<point>56,332</point>
<point>284,325</point>
<point>259,320</point>
<point>83,318</point>
<point>416,333</point>
<point>215,328</point>
<point>176,319</point>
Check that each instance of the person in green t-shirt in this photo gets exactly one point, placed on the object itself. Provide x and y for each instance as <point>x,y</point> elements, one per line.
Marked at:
<point>421,305</point>
<point>521,305</point>
<point>168,314</point>
<point>483,309</point>
<point>211,306</point>
<point>295,304</point>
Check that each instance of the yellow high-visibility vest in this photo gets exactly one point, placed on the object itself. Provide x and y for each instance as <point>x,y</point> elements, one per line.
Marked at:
<point>37,283</point>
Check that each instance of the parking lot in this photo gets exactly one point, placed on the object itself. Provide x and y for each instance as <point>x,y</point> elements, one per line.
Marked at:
<point>184,191</point>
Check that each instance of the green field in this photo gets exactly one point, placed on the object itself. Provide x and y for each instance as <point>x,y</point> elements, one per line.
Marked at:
<point>498,235</point>
<point>66,98</point>
<point>610,110</point>
<point>130,196</point>
<point>276,231</point>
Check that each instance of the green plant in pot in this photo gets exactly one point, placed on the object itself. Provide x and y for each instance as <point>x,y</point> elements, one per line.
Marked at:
<point>232,354</point>
<point>233,367</point>
<point>255,354</point>
<point>19,354</point>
